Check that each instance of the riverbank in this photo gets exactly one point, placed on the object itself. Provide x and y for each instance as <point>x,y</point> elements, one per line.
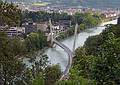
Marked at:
<point>98,59</point>
<point>70,32</point>
<point>81,28</point>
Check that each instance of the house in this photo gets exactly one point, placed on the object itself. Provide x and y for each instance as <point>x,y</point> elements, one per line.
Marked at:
<point>118,21</point>
<point>15,31</point>
<point>29,27</point>
<point>42,26</point>
<point>65,23</point>
<point>109,15</point>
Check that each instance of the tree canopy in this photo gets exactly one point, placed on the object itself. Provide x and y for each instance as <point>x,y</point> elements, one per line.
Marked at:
<point>9,14</point>
<point>98,61</point>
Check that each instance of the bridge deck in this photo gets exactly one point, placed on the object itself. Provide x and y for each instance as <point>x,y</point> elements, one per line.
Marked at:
<point>70,55</point>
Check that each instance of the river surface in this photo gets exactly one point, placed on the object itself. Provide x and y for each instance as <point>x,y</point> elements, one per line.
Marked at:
<point>58,56</point>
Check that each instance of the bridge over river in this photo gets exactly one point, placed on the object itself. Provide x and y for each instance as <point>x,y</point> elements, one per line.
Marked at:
<point>70,56</point>
<point>62,54</point>
<point>65,48</point>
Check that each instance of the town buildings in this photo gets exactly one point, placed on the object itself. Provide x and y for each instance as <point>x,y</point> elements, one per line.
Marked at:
<point>29,27</point>
<point>26,28</point>
<point>14,31</point>
<point>60,26</point>
<point>109,14</point>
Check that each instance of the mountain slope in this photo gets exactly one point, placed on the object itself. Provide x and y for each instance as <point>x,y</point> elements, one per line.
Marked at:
<point>84,3</point>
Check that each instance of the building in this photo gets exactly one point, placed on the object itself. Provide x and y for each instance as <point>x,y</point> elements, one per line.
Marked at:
<point>42,26</point>
<point>109,15</point>
<point>29,27</point>
<point>57,27</point>
<point>15,31</point>
<point>65,23</point>
<point>118,21</point>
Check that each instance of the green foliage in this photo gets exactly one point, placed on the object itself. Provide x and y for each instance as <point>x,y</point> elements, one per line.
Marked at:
<point>38,80</point>
<point>99,58</point>
<point>10,47</point>
<point>44,16</point>
<point>65,34</point>
<point>61,36</point>
<point>18,46</point>
<point>11,51</point>
<point>79,81</point>
<point>9,14</point>
<point>76,79</point>
<point>88,19</point>
<point>35,41</point>
<point>79,17</point>
<point>52,74</point>
<point>82,26</point>
<point>109,62</point>
<point>50,77</point>
<point>92,44</point>
<point>84,20</point>
<point>9,64</point>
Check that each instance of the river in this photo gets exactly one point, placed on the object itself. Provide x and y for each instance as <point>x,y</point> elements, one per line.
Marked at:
<point>58,56</point>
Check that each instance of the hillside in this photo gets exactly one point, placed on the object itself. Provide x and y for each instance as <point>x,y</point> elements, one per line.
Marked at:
<point>84,3</point>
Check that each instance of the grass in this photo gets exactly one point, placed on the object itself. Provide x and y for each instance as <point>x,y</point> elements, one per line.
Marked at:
<point>40,4</point>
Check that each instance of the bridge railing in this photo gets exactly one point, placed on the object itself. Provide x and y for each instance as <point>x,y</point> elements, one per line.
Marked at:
<point>70,56</point>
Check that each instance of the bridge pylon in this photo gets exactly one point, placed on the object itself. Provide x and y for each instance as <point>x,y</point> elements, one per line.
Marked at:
<point>51,33</point>
<point>75,35</point>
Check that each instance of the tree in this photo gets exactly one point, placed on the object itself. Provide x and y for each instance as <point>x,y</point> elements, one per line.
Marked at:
<point>35,41</point>
<point>52,74</point>
<point>81,27</point>
<point>97,62</point>
<point>18,46</point>
<point>12,70</point>
<point>106,70</point>
<point>39,80</point>
<point>92,44</point>
<point>76,79</point>
<point>9,14</point>
<point>9,64</point>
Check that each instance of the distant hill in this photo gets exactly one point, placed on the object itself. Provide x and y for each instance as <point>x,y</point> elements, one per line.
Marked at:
<point>89,3</point>
<point>19,1</point>
<point>84,3</point>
